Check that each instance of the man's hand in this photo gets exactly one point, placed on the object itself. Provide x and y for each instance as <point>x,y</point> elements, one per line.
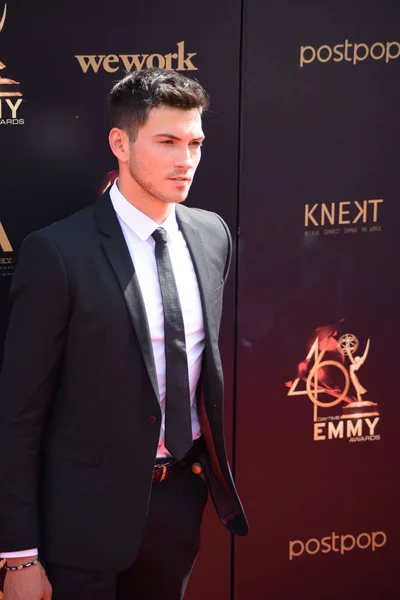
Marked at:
<point>28,584</point>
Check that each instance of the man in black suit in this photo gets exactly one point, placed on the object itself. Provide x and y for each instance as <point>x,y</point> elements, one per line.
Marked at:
<point>111,393</point>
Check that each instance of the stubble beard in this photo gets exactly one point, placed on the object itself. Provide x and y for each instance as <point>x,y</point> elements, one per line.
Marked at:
<point>151,191</point>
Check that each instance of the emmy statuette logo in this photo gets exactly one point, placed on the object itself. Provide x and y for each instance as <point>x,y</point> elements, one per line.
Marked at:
<point>10,93</point>
<point>329,377</point>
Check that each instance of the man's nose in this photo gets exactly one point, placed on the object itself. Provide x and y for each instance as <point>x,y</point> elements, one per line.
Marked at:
<point>184,159</point>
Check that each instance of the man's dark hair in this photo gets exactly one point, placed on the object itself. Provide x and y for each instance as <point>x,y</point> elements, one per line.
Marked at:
<point>132,98</point>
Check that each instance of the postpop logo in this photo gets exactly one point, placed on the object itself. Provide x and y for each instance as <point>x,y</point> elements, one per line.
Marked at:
<point>337,543</point>
<point>349,52</point>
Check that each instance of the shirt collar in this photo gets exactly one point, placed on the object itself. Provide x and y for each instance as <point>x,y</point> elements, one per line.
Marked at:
<point>137,221</point>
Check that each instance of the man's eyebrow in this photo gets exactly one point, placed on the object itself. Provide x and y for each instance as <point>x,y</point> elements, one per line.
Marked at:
<point>175,137</point>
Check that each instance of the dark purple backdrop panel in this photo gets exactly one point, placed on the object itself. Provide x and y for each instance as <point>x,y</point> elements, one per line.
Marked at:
<point>54,163</point>
<point>322,132</point>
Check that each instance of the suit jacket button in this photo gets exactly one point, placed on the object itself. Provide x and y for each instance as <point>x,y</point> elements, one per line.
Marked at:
<point>152,419</point>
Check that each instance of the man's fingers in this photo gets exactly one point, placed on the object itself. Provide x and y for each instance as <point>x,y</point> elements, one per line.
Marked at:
<point>47,589</point>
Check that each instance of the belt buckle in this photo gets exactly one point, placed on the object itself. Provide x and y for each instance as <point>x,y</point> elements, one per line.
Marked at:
<point>164,473</point>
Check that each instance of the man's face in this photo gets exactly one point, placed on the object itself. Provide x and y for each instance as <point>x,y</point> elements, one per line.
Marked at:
<point>164,157</point>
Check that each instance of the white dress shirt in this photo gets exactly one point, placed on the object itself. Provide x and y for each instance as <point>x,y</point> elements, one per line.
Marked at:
<point>137,229</point>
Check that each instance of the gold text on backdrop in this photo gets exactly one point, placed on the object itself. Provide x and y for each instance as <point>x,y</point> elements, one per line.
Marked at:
<point>329,377</point>
<point>6,255</point>
<point>345,217</point>
<point>341,213</point>
<point>111,63</point>
<point>9,88</point>
<point>349,52</point>
<point>338,543</point>
<point>5,245</point>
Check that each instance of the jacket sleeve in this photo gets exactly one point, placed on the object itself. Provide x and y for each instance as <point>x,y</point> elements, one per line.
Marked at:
<point>32,356</point>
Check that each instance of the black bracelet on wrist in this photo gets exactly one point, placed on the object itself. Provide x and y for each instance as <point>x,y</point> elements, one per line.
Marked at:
<point>31,563</point>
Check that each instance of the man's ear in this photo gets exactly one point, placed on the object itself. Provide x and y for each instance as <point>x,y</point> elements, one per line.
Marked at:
<point>119,144</point>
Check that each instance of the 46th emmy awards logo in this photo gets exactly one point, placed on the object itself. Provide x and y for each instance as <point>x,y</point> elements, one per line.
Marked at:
<point>10,94</point>
<point>329,377</point>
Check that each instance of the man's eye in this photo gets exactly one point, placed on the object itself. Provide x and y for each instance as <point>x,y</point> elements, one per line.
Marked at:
<point>199,144</point>
<point>167,142</point>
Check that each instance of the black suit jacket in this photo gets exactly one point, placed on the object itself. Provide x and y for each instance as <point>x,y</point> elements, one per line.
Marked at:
<point>79,409</point>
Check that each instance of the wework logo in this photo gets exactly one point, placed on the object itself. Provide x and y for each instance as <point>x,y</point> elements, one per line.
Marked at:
<point>111,63</point>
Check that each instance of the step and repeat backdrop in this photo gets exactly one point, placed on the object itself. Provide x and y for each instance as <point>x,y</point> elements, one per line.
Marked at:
<point>317,444</point>
<point>301,159</point>
<point>58,62</point>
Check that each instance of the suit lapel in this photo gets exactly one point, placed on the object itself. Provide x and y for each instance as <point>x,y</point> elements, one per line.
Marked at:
<point>118,255</point>
<point>199,256</point>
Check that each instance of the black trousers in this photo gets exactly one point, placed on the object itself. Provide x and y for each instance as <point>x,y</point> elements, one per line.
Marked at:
<point>169,548</point>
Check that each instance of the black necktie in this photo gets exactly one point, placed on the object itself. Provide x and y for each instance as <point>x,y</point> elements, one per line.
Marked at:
<point>178,427</point>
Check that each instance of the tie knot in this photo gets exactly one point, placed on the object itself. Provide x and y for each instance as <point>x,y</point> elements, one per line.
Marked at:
<point>160,235</point>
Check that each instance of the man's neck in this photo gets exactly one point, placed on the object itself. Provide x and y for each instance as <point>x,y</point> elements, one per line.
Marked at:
<point>152,207</point>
